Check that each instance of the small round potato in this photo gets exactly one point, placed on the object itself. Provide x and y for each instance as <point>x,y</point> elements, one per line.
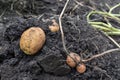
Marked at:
<point>54,27</point>
<point>32,40</point>
<point>72,63</point>
<point>81,68</point>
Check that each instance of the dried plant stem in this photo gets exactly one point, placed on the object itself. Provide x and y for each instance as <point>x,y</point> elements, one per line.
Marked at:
<point>101,54</point>
<point>3,13</point>
<point>110,38</point>
<point>62,33</point>
<point>60,24</point>
<point>79,3</point>
<point>113,40</point>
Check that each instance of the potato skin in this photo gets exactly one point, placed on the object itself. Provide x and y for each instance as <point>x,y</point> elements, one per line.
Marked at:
<point>81,68</point>
<point>70,60</point>
<point>54,28</point>
<point>32,40</point>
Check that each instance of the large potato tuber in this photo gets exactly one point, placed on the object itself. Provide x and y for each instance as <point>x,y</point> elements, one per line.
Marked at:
<point>32,40</point>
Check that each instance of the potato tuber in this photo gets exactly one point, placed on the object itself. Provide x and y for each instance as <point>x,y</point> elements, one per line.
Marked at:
<point>72,59</point>
<point>81,68</point>
<point>54,27</point>
<point>32,40</point>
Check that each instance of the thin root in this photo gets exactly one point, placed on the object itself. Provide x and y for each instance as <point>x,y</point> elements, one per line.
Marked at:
<point>101,54</point>
<point>62,33</point>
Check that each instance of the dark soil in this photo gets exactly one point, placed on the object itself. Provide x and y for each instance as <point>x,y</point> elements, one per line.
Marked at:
<point>49,63</point>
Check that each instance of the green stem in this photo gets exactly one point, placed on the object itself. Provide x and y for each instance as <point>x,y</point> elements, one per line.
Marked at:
<point>111,9</point>
<point>113,33</point>
<point>106,27</point>
<point>104,14</point>
<point>117,15</point>
<point>101,24</point>
<point>101,28</point>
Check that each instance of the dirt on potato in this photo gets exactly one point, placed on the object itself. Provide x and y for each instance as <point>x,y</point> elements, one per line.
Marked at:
<point>49,63</point>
